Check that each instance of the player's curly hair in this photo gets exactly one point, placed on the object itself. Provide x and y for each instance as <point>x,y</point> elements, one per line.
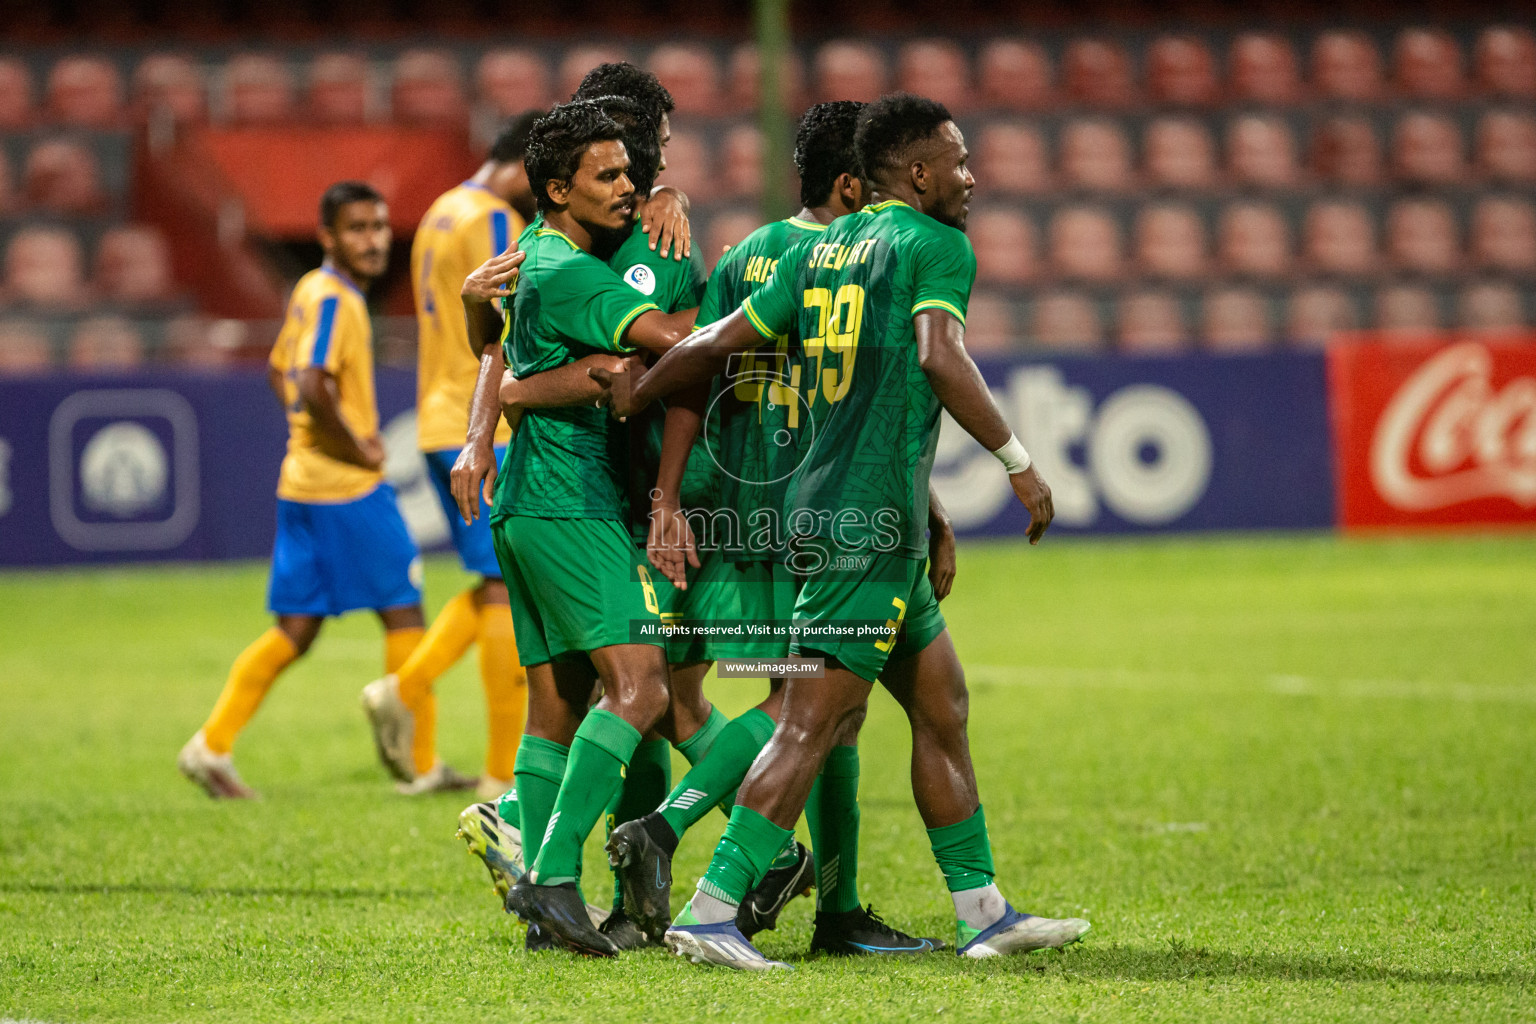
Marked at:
<point>824,148</point>
<point>891,127</point>
<point>622,78</point>
<point>511,142</point>
<point>642,138</point>
<point>342,193</point>
<point>557,142</point>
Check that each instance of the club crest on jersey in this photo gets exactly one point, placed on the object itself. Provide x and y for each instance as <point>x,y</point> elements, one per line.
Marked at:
<point>641,278</point>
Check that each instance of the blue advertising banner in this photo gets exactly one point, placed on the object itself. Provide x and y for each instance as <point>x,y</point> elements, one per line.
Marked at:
<point>1152,444</point>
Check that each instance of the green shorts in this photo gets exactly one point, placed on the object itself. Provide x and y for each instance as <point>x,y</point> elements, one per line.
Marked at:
<point>877,610</point>
<point>750,603</point>
<point>576,585</point>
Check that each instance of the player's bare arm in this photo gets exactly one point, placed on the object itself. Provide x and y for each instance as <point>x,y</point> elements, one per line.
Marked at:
<point>664,219</point>
<point>474,471</point>
<point>318,392</point>
<point>670,543</point>
<point>563,386</point>
<point>941,547</point>
<point>692,360</point>
<point>960,389</point>
<point>494,279</point>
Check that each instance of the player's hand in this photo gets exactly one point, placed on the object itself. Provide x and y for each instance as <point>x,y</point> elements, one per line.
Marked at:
<point>670,545</point>
<point>618,389</point>
<point>664,219</point>
<point>494,279</point>
<point>474,474</point>
<point>373,451</point>
<point>1035,495</point>
<point>941,560</point>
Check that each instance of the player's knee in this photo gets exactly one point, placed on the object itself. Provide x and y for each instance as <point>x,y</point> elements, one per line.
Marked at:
<point>853,721</point>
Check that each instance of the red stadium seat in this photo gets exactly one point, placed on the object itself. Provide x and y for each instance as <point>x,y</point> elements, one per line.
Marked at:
<point>1015,75</point>
<point>1254,241</point>
<point>691,74</point>
<point>743,160</point>
<point>10,200</point>
<point>936,68</point>
<point>258,90</point>
<point>1179,153</point>
<point>1170,242</point>
<point>512,81</point>
<point>1012,159</point>
<point>989,327</point>
<point>15,94</point>
<point>1317,312</point>
<point>1261,153</point>
<point>1504,235</point>
<point>1506,62</point>
<point>1095,157</point>
<point>1345,151</point>
<point>63,176</point>
<point>1506,147</point>
<point>1346,66</point>
<point>725,230</point>
<point>24,349</point>
<point>1263,70</point>
<point>1427,150</point>
<point>43,269</point>
<point>1097,73</point>
<point>338,88</point>
<point>745,75</point>
<point>1067,320</point>
<point>106,344</point>
<point>1491,308</point>
<point>1427,64</point>
<point>1181,72</point>
<point>1409,310</point>
<point>1151,321</point>
<point>428,89</point>
<point>1422,237</point>
<point>1235,319</point>
<point>133,266</point>
<point>170,84</point>
<point>1006,246</point>
<point>581,59</point>
<point>689,167</point>
<point>1085,244</point>
<point>850,70</point>
<point>1339,239</point>
<point>86,91</point>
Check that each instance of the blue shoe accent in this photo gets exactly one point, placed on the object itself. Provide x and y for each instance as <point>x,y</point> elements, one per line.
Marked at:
<point>1017,932</point>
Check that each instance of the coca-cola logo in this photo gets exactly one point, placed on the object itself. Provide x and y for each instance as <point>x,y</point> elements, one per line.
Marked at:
<point>1450,436</point>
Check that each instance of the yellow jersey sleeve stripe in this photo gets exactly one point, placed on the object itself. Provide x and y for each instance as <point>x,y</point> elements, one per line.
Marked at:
<point>947,307</point>
<point>629,318</point>
<point>757,323</point>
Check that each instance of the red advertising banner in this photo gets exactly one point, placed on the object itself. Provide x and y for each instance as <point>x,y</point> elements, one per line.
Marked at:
<point>1434,434</point>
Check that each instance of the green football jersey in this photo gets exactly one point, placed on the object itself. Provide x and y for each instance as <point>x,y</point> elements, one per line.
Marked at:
<point>752,418</point>
<point>871,420</point>
<point>565,463</point>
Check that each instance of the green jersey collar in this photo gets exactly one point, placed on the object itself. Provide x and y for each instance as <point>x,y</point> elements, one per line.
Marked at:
<point>808,225</point>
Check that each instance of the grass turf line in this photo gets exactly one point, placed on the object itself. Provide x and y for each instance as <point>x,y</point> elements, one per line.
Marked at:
<point>1286,778</point>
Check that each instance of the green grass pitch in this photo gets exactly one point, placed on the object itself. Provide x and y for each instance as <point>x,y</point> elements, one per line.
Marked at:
<point>1290,778</point>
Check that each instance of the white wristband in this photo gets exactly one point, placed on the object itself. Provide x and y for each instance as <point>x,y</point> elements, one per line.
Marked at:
<point>1013,456</point>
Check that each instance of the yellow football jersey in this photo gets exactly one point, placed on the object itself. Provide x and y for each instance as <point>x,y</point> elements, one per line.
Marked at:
<point>327,326</point>
<point>466,226</point>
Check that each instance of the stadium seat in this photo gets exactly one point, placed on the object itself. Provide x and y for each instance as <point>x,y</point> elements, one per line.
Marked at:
<point>850,70</point>
<point>1506,147</point>
<point>1170,242</point>
<point>1085,244</point>
<point>194,340</point>
<point>935,68</point>
<point>725,230</point>
<point>989,327</point>
<point>1504,235</point>
<point>1095,156</point>
<point>1317,312</point>
<point>1235,319</point>
<point>1006,246</point>
<point>578,61</point>
<point>690,167</point>
<point>742,153</point>
<point>106,344</point>
<point>1067,320</point>
<point>1407,309</point>
<point>1427,150</point>
<point>428,89</point>
<point>15,95</point>
<point>258,90</point>
<point>1012,159</point>
<point>43,269</point>
<point>1014,74</point>
<point>170,84</point>
<point>1149,321</point>
<point>85,91</point>
<point>1261,153</point>
<point>1422,237</point>
<point>1427,65</point>
<point>1097,73</point>
<point>63,176</point>
<point>133,266</point>
<point>1491,308</point>
<point>1263,70</point>
<point>339,88</point>
<point>1345,151</point>
<point>512,81</point>
<point>691,74</point>
<point>10,198</point>
<point>1339,239</point>
<point>24,349</point>
<point>1179,153</point>
<point>1254,241</point>
<point>745,76</point>
<point>1346,66</point>
<point>1506,62</point>
<point>1181,72</point>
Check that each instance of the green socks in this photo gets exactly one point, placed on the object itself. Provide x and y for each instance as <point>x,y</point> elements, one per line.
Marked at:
<point>600,756</point>
<point>964,853</point>
<point>747,848</point>
<point>537,773</point>
<point>713,780</point>
<point>645,787</point>
<point>833,814</point>
<point>697,747</point>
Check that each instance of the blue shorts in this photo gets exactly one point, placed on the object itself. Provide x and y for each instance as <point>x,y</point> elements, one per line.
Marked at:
<point>472,542</point>
<point>329,559</point>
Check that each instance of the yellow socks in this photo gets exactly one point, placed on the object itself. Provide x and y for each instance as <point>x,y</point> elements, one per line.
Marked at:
<point>506,689</point>
<point>250,677</point>
<point>445,642</point>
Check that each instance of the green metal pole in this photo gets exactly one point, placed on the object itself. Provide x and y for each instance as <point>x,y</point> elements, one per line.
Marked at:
<point>772,116</point>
